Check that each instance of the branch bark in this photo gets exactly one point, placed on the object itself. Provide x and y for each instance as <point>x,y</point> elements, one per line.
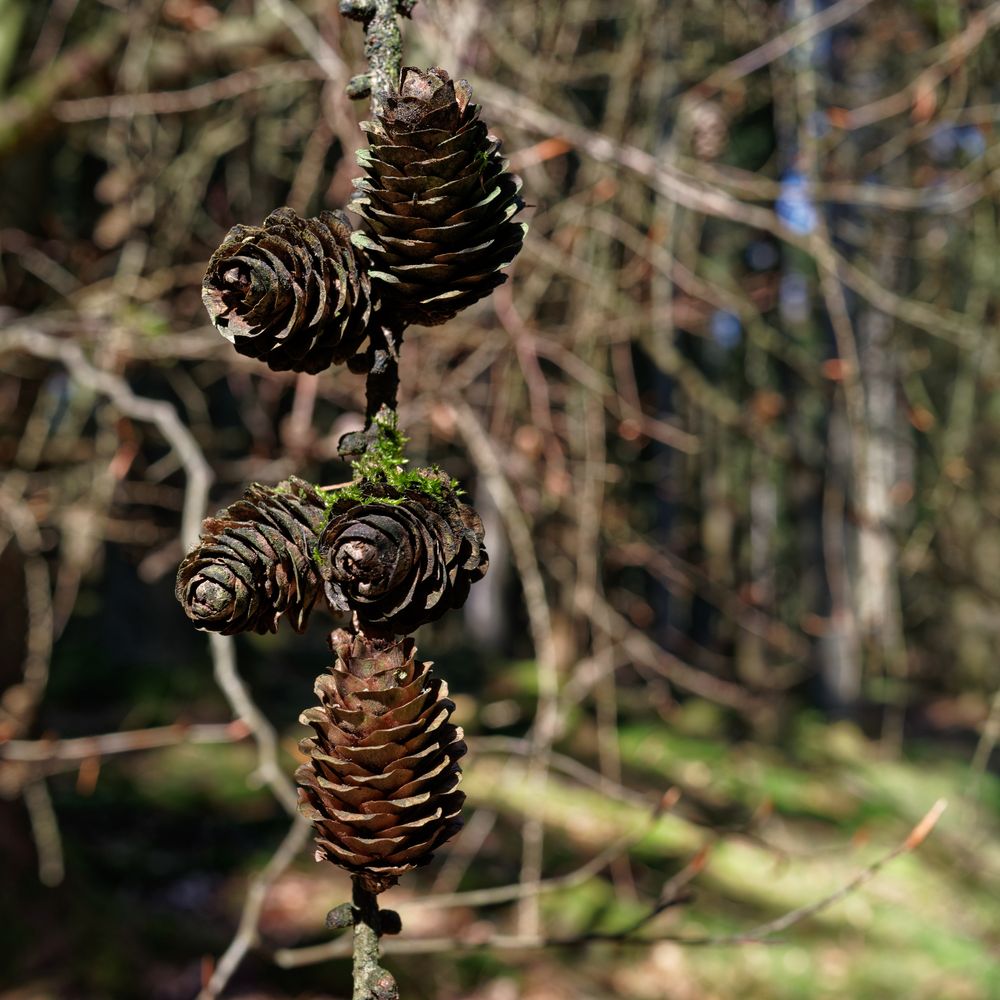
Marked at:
<point>371,981</point>
<point>383,44</point>
<point>383,51</point>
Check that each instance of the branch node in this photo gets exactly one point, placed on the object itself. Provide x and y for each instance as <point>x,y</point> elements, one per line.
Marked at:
<point>340,917</point>
<point>359,87</point>
<point>389,922</point>
<point>358,10</point>
<point>384,988</point>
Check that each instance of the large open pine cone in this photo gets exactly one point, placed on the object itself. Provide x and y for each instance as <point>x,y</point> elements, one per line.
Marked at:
<point>292,292</point>
<point>399,565</point>
<point>380,780</point>
<point>253,563</point>
<point>438,199</point>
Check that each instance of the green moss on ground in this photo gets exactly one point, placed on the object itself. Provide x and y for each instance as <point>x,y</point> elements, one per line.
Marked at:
<point>781,828</point>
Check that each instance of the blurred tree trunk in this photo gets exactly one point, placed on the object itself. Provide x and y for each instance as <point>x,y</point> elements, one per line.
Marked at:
<point>821,428</point>
<point>859,65</point>
<point>889,453</point>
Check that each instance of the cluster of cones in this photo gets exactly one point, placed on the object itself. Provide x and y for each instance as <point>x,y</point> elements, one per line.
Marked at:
<point>396,561</point>
<point>437,205</point>
<point>380,774</point>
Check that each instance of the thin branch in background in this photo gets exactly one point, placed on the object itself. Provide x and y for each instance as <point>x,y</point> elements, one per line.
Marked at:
<point>35,261</point>
<point>21,700</point>
<point>269,770</point>
<point>534,379</point>
<point>247,932</point>
<point>563,763</point>
<point>53,31</point>
<point>310,39</point>
<point>18,706</point>
<point>693,194</point>
<point>464,848</point>
<point>29,108</point>
<point>987,741</point>
<point>161,414</point>
<point>947,60</point>
<point>495,896</point>
<point>205,95</point>
<point>913,840</point>
<point>45,830</point>
<point>88,747</point>
<point>648,653</point>
<point>771,51</point>
<point>546,724</point>
<point>474,940</point>
<point>501,894</point>
<point>199,476</point>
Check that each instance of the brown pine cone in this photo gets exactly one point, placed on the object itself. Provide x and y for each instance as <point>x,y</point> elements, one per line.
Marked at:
<point>438,200</point>
<point>381,776</point>
<point>293,292</point>
<point>254,563</point>
<point>401,562</point>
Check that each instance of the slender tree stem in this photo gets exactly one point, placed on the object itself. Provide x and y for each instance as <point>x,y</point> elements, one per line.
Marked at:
<point>380,388</point>
<point>371,981</point>
<point>383,379</point>
<point>384,46</point>
<point>383,51</point>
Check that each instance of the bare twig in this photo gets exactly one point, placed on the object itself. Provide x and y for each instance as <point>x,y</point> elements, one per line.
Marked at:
<point>692,193</point>
<point>29,109</point>
<point>913,840</point>
<point>292,957</point>
<point>644,650</point>
<point>310,39</point>
<point>948,59</point>
<point>247,932</point>
<point>475,940</point>
<point>987,741</point>
<point>18,707</point>
<point>228,678</point>
<point>45,829</point>
<point>165,418</point>
<point>87,747</point>
<point>205,95</point>
<point>546,722</point>
<point>773,49</point>
<point>161,414</point>
<point>563,763</point>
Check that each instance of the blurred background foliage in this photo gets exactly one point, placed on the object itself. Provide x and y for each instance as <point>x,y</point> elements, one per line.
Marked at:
<point>732,427</point>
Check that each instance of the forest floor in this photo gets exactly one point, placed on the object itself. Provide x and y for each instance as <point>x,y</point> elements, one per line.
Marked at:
<point>751,833</point>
